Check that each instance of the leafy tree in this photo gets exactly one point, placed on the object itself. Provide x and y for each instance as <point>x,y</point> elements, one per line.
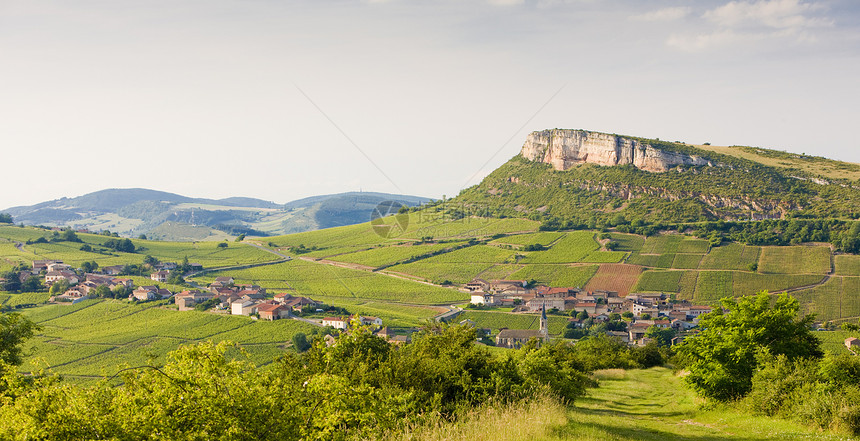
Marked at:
<point>662,336</point>
<point>149,260</point>
<point>14,330</point>
<point>300,342</point>
<point>101,291</point>
<point>222,245</point>
<point>6,218</point>
<point>123,245</point>
<point>86,247</point>
<point>59,286</point>
<point>646,316</point>
<point>11,282</point>
<point>627,315</point>
<point>32,284</point>
<point>722,357</point>
<point>582,315</point>
<point>69,235</point>
<point>89,267</point>
<point>142,237</point>
<point>240,237</point>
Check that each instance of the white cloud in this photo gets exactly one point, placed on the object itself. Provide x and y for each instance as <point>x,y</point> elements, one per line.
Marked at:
<point>776,14</point>
<point>744,22</point>
<point>506,2</point>
<point>665,14</point>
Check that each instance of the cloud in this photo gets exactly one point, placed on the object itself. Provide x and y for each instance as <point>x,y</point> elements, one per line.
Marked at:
<point>775,14</point>
<point>665,14</point>
<point>744,22</point>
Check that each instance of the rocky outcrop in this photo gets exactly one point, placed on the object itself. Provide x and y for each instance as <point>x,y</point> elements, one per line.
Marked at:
<point>565,148</point>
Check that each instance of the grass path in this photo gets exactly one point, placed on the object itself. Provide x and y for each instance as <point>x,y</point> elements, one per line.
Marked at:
<point>653,404</point>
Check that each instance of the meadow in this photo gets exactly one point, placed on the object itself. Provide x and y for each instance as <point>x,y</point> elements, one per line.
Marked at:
<point>795,260</point>
<point>573,247</point>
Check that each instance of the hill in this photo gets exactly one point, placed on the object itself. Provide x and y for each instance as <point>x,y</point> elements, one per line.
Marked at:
<point>591,178</point>
<point>169,216</point>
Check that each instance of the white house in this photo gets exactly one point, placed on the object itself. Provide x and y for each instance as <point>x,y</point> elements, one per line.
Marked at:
<point>336,322</point>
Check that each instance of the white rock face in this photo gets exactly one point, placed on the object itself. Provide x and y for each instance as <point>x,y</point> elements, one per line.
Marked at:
<point>565,148</point>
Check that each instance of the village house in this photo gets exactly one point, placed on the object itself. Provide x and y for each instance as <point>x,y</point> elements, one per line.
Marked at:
<point>188,299</point>
<point>59,266</point>
<point>336,322</point>
<point>515,338</point>
<point>272,311</point>
<point>243,307</point>
<point>53,276</point>
<point>42,265</point>
<point>852,344</point>
<point>478,285</point>
<point>221,282</point>
<point>299,303</point>
<point>160,276</point>
<point>370,320</point>
<point>147,293</point>
<point>113,270</point>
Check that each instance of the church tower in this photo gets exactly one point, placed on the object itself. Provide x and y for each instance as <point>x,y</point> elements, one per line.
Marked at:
<point>544,329</point>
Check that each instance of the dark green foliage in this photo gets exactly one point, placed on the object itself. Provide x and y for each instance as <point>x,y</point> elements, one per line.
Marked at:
<point>11,282</point>
<point>223,245</point>
<point>123,245</point>
<point>6,218</point>
<point>722,357</point>
<point>69,236</point>
<point>32,284</point>
<point>358,388</point>
<point>89,267</point>
<point>300,342</point>
<point>14,330</point>
<point>661,336</point>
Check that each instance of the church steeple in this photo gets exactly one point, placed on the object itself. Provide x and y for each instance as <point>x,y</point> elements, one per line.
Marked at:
<point>544,329</point>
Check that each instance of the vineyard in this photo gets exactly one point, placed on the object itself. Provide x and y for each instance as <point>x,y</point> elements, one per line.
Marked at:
<point>96,337</point>
<point>557,275</point>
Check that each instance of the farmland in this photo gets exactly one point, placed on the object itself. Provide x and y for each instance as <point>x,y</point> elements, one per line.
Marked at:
<point>659,281</point>
<point>542,238</point>
<point>573,247</point>
<point>557,275</point>
<point>731,256</point>
<point>90,339</point>
<point>795,260</point>
<point>614,277</point>
<point>847,265</point>
<point>376,257</point>
<point>309,278</point>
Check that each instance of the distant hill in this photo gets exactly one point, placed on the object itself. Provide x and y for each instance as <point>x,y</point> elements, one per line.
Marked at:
<point>589,178</point>
<point>169,216</point>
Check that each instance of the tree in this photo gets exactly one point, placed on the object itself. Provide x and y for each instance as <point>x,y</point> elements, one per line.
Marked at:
<point>582,315</point>
<point>89,267</point>
<point>663,336</point>
<point>149,260</point>
<point>59,286</point>
<point>627,315</point>
<point>69,235</point>
<point>32,284</point>
<point>14,329</point>
<point>142,237</point>
<point>6,218</point>
<point>222,245</point>
<point>240,237</point>
<point>300,342</point>
<point>11,282</point>
<point>721,358</point>
<point>646,316</point>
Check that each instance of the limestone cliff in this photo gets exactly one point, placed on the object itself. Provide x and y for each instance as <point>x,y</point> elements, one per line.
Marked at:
<point>565,148</point>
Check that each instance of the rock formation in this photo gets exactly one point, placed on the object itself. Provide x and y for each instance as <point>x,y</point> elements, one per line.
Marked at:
<point>565,148</point>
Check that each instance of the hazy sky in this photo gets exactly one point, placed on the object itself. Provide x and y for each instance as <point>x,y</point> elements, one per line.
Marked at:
<point>285,99</point>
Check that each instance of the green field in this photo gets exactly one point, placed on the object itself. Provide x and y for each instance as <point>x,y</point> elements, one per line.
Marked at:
<point>459,266</point>
<point>543,238</point>
<point>574,247</point>
<point>311,279</point>
<point>662,244</point>
<point>92,338</point>
<point>847,265</point>
<point>628,242</point>
<point>659,281</point>
<point>561,276</point>
<point>391,254</point>
<point>605,257</point>
<point>693,246</point>
<point>795,260</point>
<point>687,261</point>
<point>731,256</point>
<point>713,285</point>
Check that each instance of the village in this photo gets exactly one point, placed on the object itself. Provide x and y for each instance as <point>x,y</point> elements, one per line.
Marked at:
<point>635,319</point>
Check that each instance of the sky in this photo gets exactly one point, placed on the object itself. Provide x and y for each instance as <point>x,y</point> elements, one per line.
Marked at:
<point>279,99</point>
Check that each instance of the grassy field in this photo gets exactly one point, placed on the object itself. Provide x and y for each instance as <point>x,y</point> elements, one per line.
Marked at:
<point>687,261</point>
<point>659,281</point>
<point>315,279</point>
<point>94,337</point>
<point>731,256</point>
<point>795,260</point>
<point>628,242</point>
<point>847,265</point>
<point>654,404</point>
<point>557,275</point>
<point>662,244</point>
<point>391,254</point>
<point>459,266</point>
<point>573,247</point>
<point>543,238</point>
